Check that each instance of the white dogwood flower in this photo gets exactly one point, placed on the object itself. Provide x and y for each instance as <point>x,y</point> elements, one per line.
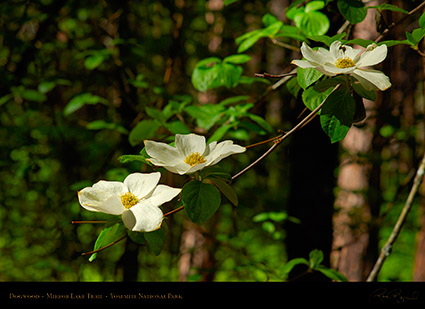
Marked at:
<point>190,154</point>
<point>137,199</point>
<point>343,59</point>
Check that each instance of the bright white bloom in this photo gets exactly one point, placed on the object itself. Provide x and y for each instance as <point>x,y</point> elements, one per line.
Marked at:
<point>347,60</point>
<point>190,154</point>
<point>137,199</point>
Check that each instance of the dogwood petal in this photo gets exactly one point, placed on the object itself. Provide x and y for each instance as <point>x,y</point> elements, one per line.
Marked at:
<point>335,51</point>
<point>161,153</point>
<point>223,150</point>
<point>331,68</point>
<point>373,56</point>
<point>303,64</point>
<point>163,194</point>
<point>104,196</point>
<point>143,217</point>
<point>372,79</point>
<point>190,143</point>
<point>316,57</point>
<point>142,185</point>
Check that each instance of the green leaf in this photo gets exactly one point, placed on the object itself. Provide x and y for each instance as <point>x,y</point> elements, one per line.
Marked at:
<point>46,86</point>
<point>155,240</point>
<point>93,61</point>
<point>367,94</point>
<point>261,217</point>
<point>155,114</point>
<point>219,133</point>
<point>226,189</point>
<point>33,95</point>
<point>145,129</point>
<point>269,227</point>
<point>312,23</point>
<point>5,99</point>
<point>177,127</point>
<point>261,122</point>
<point>80,100</point>
<point>247,40</point>
<point>289,31</point>
<point>237,59</point>
<point>337,114</point>
<point>108,235</point>
<point>422,20</point>
<point>269,19</point>
<point>228,2</point>
<point>312,98</point>
<point>316,257</point>
<point>353,10</point>
<point>331,273</point>
<point>215,171</point>
<point>286,269</point>
<point>361,42</point>
<point>131,158</point>
<point>333,127</point>
<point>278,216</point>
<point>418,34</point>
<point>386,6</point>
<point>326,39</point>
<point>314,6</point>
<point>137,237</point>
<point>201,200</point>
<point>308,76</point>
<point>212,73</point>
<point>360,112</point>
<point>102,124</point>
<point>206,115</point>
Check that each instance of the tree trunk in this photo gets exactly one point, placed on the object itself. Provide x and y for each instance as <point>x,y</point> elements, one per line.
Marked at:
<point>313,161</point>
<point>357,204</point>
<point>197,254</point>
<point>419,267</point>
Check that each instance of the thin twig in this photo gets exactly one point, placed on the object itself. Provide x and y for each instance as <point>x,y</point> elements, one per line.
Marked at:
<point>277,141</point>
<point>265,142</point>
<point>284,45</point>
<point>399,21</point>
<point>386,250</point>
<point>173,211</point>
<point>88,221</point>
<point>267,75</point>
<point>107,246</point>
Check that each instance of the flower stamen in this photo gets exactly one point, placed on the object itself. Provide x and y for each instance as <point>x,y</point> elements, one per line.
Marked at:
<point>343,63</point>
<point>195,158</point>
<point>129,200</point>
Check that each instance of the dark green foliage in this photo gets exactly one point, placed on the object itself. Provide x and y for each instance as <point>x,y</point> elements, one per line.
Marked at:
<point>84,83</point>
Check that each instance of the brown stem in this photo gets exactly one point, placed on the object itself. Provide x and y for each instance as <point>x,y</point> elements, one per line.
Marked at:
<point>173,211</point>
<point>277,141</point>
<point>386,250</point>
<point>399,21</point>
<point>88,221</point>
<point>107,246</point>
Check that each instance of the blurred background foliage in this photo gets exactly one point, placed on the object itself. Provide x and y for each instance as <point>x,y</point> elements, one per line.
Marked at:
<point>77,78</point>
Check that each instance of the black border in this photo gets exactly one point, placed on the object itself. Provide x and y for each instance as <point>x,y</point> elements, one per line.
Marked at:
<point>210,293</point>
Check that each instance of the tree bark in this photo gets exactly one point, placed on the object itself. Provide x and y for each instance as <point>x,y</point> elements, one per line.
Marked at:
<point>357,204</point>
<point>197,254</point>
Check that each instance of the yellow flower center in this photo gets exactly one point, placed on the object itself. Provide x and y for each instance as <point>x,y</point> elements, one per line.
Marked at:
<point>343,63</point>
<point>129,200</point>
<point>195,158</point>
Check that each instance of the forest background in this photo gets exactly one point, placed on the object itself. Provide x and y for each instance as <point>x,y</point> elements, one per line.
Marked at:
<point>83,83</point>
